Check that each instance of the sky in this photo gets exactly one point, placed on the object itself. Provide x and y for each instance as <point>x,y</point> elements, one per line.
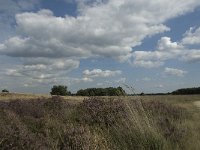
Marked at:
<point>152,46</point>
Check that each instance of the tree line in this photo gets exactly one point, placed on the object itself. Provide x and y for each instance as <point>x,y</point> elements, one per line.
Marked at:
<point>187,91</point>
<point>110,91</point>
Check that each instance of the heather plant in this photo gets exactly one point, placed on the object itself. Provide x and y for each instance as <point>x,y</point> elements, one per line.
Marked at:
<point>96,111</point>
<point>15,135</point>
<point>116,118</point>
<point>95,123</point>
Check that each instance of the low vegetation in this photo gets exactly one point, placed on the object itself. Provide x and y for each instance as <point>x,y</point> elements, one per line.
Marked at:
<point>94,123</point>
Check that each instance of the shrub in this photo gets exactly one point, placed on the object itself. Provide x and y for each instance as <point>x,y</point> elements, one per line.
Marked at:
<point>60,90</point>
<point>5,91</point>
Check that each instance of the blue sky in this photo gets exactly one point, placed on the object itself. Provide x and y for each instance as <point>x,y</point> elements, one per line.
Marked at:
<point>153,46</point>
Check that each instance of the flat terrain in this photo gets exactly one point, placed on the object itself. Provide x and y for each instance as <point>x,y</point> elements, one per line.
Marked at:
<point>168,122</point>
<point>197,103</point>
<point>181,99</point>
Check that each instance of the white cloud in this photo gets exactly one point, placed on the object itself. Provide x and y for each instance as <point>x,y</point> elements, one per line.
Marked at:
<point>87,79</point>
<point>108,29</point>
<point>49,46</point>
<point>13,72</point>
<point>175,72</point>
<point>50,36</point>
<point>166,50</point>
<point>165,43</point>
<point>192,55</point>
<point>43,69</point>
<point>192,36</point>
<point>89,76</point>
<point>100,73</point>
<point>147,63</point>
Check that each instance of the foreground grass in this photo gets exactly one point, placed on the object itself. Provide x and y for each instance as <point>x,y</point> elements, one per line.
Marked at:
<point>154,123</point>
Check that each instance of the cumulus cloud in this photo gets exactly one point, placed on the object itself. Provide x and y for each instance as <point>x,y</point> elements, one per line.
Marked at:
<point>175,72</point>
<point>108,29</point>
<point>165,43</point>
<point>166,50</point>
<point>192,36</point>
<point>49,46</point>
<point>50,36</point>
<point>192,56</point>
<point>43,69</point>
<point>100,73</point>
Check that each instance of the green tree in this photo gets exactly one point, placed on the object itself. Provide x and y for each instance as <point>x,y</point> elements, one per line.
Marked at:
<point>5,91</point>
<point>60,90</point>
<point>187,91</point>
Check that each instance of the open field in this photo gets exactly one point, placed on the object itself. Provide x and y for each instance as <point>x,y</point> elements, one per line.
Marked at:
<point>23,96</point>
<point>181,99</point>
<point>137,122</point>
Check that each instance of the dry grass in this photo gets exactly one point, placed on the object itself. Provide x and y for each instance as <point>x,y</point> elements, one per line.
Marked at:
<point>73,123</point>
<point>22,96</point>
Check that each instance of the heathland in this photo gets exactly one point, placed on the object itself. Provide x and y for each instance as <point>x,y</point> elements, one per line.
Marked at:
<point>167,122</point>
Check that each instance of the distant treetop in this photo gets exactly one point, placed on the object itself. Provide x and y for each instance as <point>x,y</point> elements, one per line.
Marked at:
<point>60,90</point>
<point>5,91</point>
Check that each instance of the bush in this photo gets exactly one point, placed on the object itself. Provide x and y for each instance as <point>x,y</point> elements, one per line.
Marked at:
<point>60,90</point>
<point>5,91</point>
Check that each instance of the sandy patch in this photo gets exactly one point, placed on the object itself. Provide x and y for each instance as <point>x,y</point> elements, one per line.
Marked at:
<point>197,103</point>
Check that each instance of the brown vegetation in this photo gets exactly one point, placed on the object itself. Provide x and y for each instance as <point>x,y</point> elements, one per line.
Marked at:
<point>95,123</point>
